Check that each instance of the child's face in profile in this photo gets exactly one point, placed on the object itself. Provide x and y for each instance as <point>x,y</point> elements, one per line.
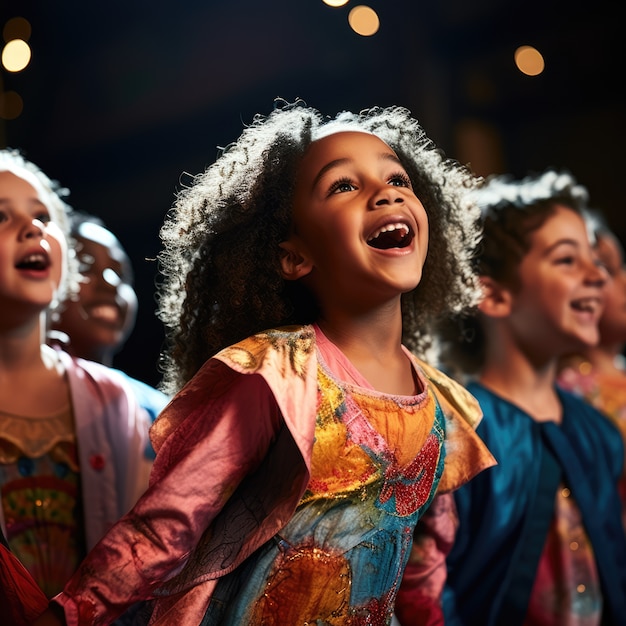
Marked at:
<point>357,223</point>
<point>105,311</point>
<point>559,301</point>
<point>32,247</point>
<point>613,320</point>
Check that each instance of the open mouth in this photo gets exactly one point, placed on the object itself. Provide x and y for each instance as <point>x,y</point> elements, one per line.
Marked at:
<point>106,313</point>
<point>391,236</point>
<point>586,305</point>
<point>36,262</point>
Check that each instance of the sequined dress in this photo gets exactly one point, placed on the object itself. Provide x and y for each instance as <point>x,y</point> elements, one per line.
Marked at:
<point>319,532</point>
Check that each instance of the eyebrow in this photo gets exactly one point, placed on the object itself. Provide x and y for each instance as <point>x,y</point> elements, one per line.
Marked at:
<point>565,241</point>
<point>383,156</point>
<point>36,202</point>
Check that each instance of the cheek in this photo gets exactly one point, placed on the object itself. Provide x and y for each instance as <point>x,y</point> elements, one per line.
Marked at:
<point>58,254</point>
<point>127,293</point>
<point>614,306</point>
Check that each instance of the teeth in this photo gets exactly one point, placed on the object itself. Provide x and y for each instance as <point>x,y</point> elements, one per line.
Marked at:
<point>34,258</point>
<point>388,228</point>
<point>586,305</point>
<point>105,312</point>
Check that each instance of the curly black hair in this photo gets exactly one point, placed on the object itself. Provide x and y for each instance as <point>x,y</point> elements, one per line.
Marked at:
<point>220,262</point>
<point>511,211</point>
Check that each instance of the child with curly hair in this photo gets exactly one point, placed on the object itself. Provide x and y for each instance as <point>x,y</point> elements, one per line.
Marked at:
<point>539,537</point>
<point>305,440</point>
<point>72,438</point>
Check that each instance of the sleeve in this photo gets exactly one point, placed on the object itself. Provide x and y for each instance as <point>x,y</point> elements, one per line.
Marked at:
<point>466,453</point>
<point>21,599</point>
<point>225,424</point>
<point>419,598</point>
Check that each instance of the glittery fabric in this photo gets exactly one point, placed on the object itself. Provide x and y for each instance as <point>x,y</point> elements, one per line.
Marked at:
<point>375,465</point>
<point>283,496</point>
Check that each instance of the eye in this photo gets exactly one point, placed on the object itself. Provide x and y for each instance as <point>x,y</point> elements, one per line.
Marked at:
<point>611,269</point>
<point>3,217</point>
<point>43,217</point>
<point>85,263</point>
<point>400,180</point>
<point>567,259</point>
<point>341,186</point>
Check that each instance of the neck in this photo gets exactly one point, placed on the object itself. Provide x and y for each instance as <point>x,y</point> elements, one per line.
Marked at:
<point>378,332</point>
<point>373,344</point>
<point>513,376</point>
<point>20,345</point>
<point>88,351</point>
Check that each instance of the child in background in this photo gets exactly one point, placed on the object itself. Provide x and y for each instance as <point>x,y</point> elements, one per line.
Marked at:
<point>598,373</point>
<point>539,539</point>
<point>71,437</point>
<point>304,441</point>
<point>96,323</point>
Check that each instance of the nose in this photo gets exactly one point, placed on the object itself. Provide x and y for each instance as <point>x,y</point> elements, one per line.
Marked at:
<point>33,228</point>
<point>387,194</point>
<point>111,278</point>
<point>597,274</point>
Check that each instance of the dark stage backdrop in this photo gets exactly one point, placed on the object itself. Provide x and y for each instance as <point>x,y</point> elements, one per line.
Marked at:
<point>121,99</point>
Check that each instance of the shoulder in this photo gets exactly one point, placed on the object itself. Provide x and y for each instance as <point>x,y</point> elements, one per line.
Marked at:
<point>288,346</point>
<point>593,433</point>
<point>579,411</point>
<point>150,398</point>
<point>450,393</point>
<point>95,373</point>
<point>466,453</point>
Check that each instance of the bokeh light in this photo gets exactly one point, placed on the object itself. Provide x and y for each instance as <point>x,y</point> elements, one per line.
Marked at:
<point>16,28</point>
<point>16,55</point>
<point>364,20</point>
<point>529,61</point>
<point>335,3</point>
<point>11,105</point>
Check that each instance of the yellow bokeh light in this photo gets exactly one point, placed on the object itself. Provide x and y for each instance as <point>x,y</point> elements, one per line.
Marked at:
<point>529,61</point>
<point>15,55</point>
<point>11,105</point>
<point>16,28</point>
<point>363,20</point>
<point>335,3</point>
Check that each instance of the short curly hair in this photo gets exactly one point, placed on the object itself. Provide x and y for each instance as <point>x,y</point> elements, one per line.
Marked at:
<point>511,211</point>
<point>220,263</point>
<point>52,195</point>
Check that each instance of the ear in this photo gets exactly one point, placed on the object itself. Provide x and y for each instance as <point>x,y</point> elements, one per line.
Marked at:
<point>496,300</point>
<point>293,262</point>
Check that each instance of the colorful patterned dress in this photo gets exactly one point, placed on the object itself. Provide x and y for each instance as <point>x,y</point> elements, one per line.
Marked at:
<point>40,482</point>
<point>285,496</point>
<point>66,478</point>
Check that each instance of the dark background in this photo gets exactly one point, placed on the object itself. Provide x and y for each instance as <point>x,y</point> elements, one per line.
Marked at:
<point>122,98</point>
